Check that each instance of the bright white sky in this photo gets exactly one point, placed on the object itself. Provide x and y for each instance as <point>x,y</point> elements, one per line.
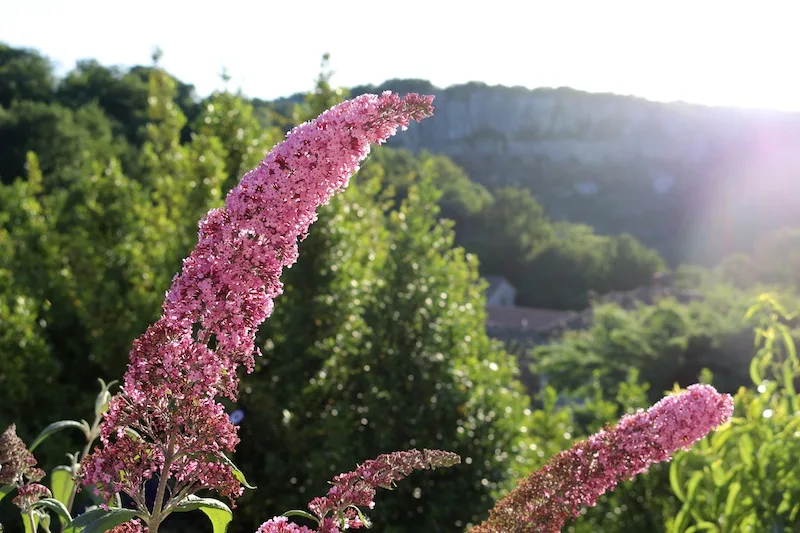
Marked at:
<point>740,53</point>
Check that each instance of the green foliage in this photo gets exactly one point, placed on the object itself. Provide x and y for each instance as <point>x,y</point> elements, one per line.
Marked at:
<point>24,75</point>
<point>668,342</point>
<point>219,514</point>
<point>65,140</point>
<point>378,345</point>
<point>743,476</point>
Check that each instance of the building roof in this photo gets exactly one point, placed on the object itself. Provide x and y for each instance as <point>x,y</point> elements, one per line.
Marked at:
<point>526,318</point>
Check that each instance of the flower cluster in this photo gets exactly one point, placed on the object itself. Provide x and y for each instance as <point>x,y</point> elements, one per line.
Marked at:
<point>338,510</point>
<point>18,468</point>
<point>167,421</point>
<point>281,524</point>
<point>357,488</point>
<point>16,463</point>
<point>29,494</point>
<point>133,526</point>
<point>579,476</point>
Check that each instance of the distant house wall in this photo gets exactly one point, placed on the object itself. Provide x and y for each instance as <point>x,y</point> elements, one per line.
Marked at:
<point>502,296</point>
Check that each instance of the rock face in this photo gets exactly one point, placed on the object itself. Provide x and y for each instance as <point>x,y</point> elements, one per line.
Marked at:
<point>694,182</point>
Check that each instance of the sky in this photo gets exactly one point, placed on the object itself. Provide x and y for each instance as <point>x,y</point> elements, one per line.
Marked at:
<point>728,53</point>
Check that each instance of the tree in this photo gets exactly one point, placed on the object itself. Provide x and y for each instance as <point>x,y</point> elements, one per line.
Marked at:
<point>65,141</point>
<point>24,75</point>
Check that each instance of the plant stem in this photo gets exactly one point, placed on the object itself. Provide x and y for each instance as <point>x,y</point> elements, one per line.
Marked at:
<point>157,517</point>
<point>86,449</point>
<point>32,521</point>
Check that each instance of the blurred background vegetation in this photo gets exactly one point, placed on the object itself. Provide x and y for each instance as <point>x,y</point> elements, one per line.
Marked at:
<point>380,340</point>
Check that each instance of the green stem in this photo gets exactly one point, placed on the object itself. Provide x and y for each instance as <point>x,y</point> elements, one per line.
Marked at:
<point>92,436</point>
<point>32,521</point>
<point>158,516</point>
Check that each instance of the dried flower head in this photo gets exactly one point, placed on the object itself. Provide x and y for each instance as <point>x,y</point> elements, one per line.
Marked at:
<point>16,462</point>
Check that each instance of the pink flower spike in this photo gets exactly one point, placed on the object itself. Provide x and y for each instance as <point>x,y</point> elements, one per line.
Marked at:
<point>167,422</point>
<point>228,283</point>
<point>357,488</point>
<point>577,477</point>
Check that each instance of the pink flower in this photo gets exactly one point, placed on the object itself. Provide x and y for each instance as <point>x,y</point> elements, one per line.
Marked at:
<point>280,524</point>
<point>579,476</point>
<point>134,526</point>
<point>228,283</point>
<point>167,420</point>
<point>29,494</point>
<point>357,488</point>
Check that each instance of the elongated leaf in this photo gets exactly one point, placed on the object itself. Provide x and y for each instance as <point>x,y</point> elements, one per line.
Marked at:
<point>61,483</point>
<point>707,526</point>
<point>681,520</point>
<point>99,520</point>
<point>675,477</point>
<point>304,514</point>
<point>56,427</point>
<point>217,512</point>
<point>5,489</point>
<point>755,371</point>
<point>57,507</point>
<point>238,474</point>
<point>731,501</point>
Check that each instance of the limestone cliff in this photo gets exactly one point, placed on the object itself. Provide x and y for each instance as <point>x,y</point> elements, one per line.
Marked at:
<point>693,181</point>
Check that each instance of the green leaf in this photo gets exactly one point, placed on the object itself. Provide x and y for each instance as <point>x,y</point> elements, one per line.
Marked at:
<point>5,490</point>
<point>746,449</point>
<point>57,507</point>
<point>217,512</point>
<point>238,474</point>
<point>304,514</point>
<point>755,371</point>
<point>99,520</point>
<point>674,477</point>
<point>681,519</point>
<point>707,526</point>
<point>58,426</point>
<point>61,483</point>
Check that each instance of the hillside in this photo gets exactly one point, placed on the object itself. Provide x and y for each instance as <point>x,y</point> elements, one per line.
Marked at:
<point>694,182</point>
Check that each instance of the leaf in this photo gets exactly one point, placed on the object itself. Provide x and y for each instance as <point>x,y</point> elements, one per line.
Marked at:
<point>238,474</point>
<point>61,483</point>
<point>5,490</point>
<point>755,372</point>
<point>707,526</point>
<point>746,449</point>
<point>58,426</point>
<point>217,512</point>
<point>718,473</point>
<point>681,519</point>
<point>304,514</point>
<point>674,477</point>
<point>692,486</point>
<point>57,507</point>
<point>99,520</point>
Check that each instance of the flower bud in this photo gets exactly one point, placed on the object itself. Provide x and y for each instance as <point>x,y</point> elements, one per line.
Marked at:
<point>101,403</point>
